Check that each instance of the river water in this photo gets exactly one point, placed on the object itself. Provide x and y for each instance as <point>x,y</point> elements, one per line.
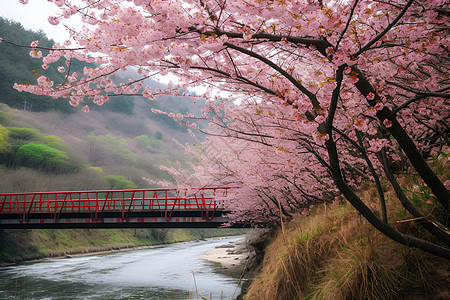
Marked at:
<point>169,272</point>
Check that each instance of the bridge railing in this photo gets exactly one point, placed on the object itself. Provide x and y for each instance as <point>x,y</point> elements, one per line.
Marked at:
<point>110,201</point>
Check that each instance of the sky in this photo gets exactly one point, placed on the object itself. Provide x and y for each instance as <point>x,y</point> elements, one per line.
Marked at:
<point>34,16</point>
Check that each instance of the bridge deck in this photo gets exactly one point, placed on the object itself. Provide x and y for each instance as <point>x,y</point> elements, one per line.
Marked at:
<point>113,208</point>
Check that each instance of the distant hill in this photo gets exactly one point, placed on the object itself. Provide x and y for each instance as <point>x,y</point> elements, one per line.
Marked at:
<point>17,66</point>
<point>45,144</point>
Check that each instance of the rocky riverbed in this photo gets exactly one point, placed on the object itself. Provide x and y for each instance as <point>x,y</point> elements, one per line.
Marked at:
<point>233,257</point>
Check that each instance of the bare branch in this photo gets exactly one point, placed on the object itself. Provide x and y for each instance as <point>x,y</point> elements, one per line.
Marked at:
<point>295,82</point>
<point>386,30</point>
<point>346,25</point>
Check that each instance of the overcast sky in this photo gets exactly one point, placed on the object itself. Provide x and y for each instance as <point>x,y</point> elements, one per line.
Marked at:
<point>34,16</point>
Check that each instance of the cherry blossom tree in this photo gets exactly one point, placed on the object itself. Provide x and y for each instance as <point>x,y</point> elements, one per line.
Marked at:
<point>326,94</point>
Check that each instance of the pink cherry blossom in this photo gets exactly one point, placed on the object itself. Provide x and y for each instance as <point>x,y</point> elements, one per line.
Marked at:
<point>36,53</point>
<point>54,20</point>
<point>299,81</point>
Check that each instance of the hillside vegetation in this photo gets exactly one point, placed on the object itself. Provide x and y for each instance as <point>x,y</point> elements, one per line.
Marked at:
<point>48,145</point>
<point>100,150</point>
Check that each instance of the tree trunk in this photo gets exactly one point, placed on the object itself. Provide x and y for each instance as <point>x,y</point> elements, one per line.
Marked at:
<point>405,143</point>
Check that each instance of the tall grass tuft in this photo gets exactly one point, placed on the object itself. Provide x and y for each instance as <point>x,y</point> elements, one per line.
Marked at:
<point>335,254</point>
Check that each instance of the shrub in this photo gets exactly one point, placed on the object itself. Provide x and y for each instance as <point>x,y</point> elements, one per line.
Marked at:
<point>43,157</point>
<point>159,135</point>
<point>24,134</point>
<point>5,147</point>
<point>5,118</point>
<point>96,169</point>
<point>156,143</point>
<point>142,141</point>
<point>118,182</point>
<point>55,142</point>
<point>149,143</point>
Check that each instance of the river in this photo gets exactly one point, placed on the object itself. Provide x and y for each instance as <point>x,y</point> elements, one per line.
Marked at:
<point>168,272</point>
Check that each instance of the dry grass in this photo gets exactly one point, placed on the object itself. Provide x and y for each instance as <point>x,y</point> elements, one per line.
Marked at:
<point>293,259</point>
<point>335,254</point>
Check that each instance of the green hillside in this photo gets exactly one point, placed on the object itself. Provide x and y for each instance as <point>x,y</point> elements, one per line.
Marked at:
<point>47,145</point>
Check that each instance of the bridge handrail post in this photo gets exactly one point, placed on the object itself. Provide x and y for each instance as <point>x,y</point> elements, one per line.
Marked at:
<point>3,203</point>
<point>97,206</point>
<point>88,201</point>
<point>131,201</point>
<point>106,199</point>
<point>79,202</point>
<point>24,205</point>
<point>31,205</point>
<point>40,202</point>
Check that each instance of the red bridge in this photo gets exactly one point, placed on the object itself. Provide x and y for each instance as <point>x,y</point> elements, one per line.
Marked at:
<point>195,207</point>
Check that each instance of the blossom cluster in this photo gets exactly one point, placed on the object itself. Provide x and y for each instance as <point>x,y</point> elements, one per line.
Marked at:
<point>292,69</point>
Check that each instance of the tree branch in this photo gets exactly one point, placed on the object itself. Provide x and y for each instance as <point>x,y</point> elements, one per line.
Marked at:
<point>422,220</point>
<point>346,25</point>
<point>277,68</point>
<point>320,44</point>
<point>367,213</point>
<point>404,141</point>
<point>420,93</point>
<point>405,104</point>
<point>386,30</point>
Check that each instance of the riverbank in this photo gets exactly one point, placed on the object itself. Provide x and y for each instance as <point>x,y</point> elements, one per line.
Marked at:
<point>18,246</point>
<point>85,252</point>
<point>233,257</point>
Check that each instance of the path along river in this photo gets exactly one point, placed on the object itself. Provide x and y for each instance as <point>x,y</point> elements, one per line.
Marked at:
<point>169,272</point>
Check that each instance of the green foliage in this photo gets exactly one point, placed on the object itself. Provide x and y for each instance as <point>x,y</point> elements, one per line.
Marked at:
<point>16,65</point>
<point>18,246</point>
<point>55,142</point>
<point>5,118</point>
<point>43,157</point>
<point>439,164</point>
<point>148,143</point>
<point>5,147</point>
<point>142,141</point>
<point>159,135</point>
<point>118,182</point>
<point>96,169</point>
<point>47,153</point>
<point>24,134</point>
<point>419,193</point>
<point>156,143</point>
